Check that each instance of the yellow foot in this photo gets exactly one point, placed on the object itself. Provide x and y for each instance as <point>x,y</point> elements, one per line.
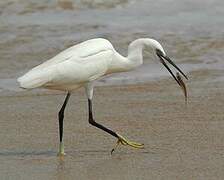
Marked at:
<point>125,142</point>
<point>61,149</point>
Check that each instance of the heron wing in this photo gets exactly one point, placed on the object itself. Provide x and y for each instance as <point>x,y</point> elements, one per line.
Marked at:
<point>81,70</point>
<point>70,67</point>
<point>79,51</point>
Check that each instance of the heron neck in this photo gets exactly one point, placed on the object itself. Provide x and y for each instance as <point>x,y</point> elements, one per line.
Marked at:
<point>135,52</point>
<point>133,60</point>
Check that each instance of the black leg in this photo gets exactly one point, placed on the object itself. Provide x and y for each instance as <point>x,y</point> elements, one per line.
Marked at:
<point>61,116</point>
<point>94,123</point>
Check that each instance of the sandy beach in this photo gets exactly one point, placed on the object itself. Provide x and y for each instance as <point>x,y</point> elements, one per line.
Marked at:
<point>181,142</point>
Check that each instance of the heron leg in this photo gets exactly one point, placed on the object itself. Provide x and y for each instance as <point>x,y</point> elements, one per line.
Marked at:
<point>61,118</point>
<point>121,139</point>
<point>94,123</point>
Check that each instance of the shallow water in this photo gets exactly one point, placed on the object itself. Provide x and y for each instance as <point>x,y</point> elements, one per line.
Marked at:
<point>192,32</point>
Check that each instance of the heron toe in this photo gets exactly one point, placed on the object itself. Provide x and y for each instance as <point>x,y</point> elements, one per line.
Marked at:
<point>125,142</point>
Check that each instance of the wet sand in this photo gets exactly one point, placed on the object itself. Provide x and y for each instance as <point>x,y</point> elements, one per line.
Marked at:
<point>180,142</point>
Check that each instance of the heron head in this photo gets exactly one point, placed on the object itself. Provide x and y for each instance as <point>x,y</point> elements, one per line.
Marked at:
<point>156,48</point>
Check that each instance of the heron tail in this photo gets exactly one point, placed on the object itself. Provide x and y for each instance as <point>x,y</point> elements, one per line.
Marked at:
<point>33,79</point>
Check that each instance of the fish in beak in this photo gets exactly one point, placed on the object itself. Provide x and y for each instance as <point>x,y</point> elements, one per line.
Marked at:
<point>178,77</point>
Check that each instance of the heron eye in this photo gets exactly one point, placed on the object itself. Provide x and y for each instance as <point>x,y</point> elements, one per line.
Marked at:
<point>159,52</point>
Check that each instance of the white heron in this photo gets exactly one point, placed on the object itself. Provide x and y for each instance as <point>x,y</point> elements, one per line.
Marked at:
<point>82,64</point>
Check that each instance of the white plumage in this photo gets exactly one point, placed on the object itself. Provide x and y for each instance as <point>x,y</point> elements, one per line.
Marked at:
<point>72,67</point>
<point>83,63</point>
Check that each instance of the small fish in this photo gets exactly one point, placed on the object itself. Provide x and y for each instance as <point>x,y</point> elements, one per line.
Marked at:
<point>182,85</point>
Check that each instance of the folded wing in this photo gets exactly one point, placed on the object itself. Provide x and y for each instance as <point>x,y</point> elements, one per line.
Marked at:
<point>76,65</point>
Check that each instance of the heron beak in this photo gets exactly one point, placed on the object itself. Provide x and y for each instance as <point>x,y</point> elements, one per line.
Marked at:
<point>174,65</point>
<point>177,78</point>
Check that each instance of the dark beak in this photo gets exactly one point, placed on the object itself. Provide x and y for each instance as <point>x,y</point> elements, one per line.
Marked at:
<point>178,77</point>
<point>162,60</point>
